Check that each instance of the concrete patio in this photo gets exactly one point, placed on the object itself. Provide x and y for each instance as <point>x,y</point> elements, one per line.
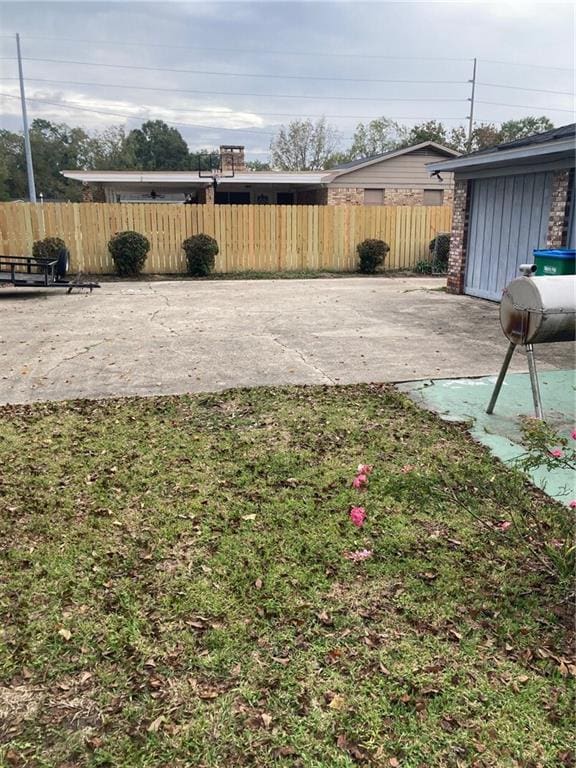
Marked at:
<point>148,338</point>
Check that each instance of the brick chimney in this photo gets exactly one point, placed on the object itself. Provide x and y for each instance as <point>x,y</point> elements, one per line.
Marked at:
<point>232,158</point>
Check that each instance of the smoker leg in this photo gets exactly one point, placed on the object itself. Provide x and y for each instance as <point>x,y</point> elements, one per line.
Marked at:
<point>534,381</point>
<point>501,375</point>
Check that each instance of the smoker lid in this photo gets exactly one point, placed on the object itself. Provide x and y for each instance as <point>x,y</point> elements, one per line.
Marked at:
<point>524,294</point>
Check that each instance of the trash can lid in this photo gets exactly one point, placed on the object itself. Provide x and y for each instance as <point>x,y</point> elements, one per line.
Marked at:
<point>556,253</point>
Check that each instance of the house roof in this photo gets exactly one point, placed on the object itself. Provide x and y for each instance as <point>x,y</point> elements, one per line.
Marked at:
<point>364,161</point>
<point>193,177</point>
<point>559,142</point>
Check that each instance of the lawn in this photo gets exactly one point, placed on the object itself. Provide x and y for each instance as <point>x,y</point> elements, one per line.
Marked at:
<point>175,590</point>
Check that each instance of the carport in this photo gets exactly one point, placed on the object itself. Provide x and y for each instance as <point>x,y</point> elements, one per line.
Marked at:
<point>509,200</point>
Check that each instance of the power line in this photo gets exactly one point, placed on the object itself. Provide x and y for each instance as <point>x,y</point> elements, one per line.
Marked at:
<point>240,74</point>
<point>525,106</point>
<point>224,112</point>
<point>258,51</point>
<point>71,105</point>
<point>522,64</point>
<point>535,90</point>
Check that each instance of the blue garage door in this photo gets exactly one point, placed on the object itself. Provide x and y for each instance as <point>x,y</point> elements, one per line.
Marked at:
<point>508,219</point>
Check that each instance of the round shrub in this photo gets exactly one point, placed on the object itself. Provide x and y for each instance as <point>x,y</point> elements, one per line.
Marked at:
<point>129,251</point>
<point>49,248</point>
<point>53,249</point>
<point>372,253</point>
<point>200,253</point>
<point>439,249</point>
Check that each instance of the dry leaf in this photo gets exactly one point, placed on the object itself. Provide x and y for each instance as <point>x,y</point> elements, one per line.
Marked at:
<point>338,702</point>
<point>65,633</point>
<point>393,762</point>
<point>258,583</point>
<point>248,517</point>
<point>266,719</point>
<point>155,725</point>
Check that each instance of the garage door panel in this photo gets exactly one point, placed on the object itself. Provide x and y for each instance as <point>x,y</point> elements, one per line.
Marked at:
<point>508,219</point>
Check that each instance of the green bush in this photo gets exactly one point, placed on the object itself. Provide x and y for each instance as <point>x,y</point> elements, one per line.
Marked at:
<point>424,267</point>
<point>371,253</point>
<point>439,249</point>
<point>200,253</point>
<point>129,251</point>
<point>49,248</point>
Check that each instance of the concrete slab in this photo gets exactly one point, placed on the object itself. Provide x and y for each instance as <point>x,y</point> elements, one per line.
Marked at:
<point>466,400</point>
<point>142,338</point>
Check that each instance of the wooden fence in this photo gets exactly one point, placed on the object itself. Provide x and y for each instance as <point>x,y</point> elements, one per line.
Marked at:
<point>251,237</point>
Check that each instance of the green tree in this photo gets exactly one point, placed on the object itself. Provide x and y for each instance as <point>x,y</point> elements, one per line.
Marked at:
<point>432,130</point>
<point>109,150</point>
<point>376,137</point>
<point>303,145</point>
<point>13,185</point>
<point>157,147</point>
<point>257,165</point>
<point>526,126</point>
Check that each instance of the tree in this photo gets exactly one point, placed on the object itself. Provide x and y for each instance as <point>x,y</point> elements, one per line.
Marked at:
<point>257,165</point>
<point>376,137</point>
<point>109,150</point>
<point>526,126</point>
<point>303,145</point>
<point>157,147</point>
<point>432,130</point>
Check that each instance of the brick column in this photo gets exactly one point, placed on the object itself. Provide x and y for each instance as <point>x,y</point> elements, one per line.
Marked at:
<point>562,191</point>
<point>206,195</point>
<point>87,193</point>
<point>345,196</point>
<point>458,238</point>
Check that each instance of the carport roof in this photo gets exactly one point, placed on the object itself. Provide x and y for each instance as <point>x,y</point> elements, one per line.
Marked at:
<point>189,177</point>
<point>554,144</point>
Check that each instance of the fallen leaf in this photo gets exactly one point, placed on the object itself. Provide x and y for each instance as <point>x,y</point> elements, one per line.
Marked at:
<point>248,517</point>
<point>258,583</point>
<point>65,633</point>
<point>338,702</point>
<point>266,719</point>
<point>155,725</point>
<point>324,618</point>
<point>284,660</point>
<point>393,762</point>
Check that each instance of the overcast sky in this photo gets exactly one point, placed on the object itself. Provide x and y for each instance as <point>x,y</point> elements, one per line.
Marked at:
<point>245,67</point>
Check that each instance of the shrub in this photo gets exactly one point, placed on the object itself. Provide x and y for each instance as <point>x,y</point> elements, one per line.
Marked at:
<point>439,249</point>
<point>200,252</point>
<point>372,254</point>
<point>49,248</point>
<point>129,251</point>
<point>424,267</point>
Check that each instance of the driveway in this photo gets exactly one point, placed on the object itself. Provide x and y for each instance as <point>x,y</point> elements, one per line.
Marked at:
<point>145,338</point>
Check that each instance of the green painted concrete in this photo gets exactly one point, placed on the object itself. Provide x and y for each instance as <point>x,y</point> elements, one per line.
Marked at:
<point>466,400</point>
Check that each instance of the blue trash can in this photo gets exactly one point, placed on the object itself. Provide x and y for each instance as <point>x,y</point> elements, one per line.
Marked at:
<point>556,261</point>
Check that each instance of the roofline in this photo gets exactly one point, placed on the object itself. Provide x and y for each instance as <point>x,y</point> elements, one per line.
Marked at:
<point>192,177</point>
<point>395,153</point>
<point>498,156</point>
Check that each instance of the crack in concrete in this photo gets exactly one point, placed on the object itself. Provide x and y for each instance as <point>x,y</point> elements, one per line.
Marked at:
<point>304,360</point>
<point>73,357</point>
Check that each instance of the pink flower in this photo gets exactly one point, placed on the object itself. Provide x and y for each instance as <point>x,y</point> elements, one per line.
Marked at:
<point>503,525</point>
<point>572,504</point>
<point>365,469</point>
<point>360,481</point>
<point>357,516</point>
<point>574,434</point>
<point>558,453</point>
<point>359,555</point>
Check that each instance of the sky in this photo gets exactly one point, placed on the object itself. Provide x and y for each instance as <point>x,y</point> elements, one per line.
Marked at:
<point>234,72</point>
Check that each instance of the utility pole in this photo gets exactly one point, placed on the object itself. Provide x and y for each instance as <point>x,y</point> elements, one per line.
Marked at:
<point>27,148</point>
<point>471,100</point>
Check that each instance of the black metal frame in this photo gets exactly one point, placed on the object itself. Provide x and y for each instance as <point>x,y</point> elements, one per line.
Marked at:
<point>29,272</point>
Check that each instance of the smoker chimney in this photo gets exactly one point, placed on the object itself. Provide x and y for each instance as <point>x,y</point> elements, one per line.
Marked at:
<point>232,158</point>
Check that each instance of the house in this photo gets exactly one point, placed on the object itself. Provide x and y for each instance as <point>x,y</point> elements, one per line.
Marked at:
<point>398,177</point>
<point>509,200</point>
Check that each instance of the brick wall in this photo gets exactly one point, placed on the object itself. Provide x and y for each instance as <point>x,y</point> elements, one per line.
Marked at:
<point>345,196</point>
<point>93,193</point>
<point>232,158</point>
<point>562,191</point>
<point>458,238</point>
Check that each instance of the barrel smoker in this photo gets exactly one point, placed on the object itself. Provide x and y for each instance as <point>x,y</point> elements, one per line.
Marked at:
<point>535,310</point>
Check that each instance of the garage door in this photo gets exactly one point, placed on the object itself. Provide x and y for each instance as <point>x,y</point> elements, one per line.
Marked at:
<point>508,219</point>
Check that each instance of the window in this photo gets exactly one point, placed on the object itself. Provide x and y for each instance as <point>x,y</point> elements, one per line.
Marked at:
<point>373,197</point>
<point>433,197</point>
<point>232,198</point>
<point>285,198</point>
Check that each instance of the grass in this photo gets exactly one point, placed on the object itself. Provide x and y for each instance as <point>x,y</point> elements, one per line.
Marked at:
<point>303,274</point>
<point>173,590</point>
